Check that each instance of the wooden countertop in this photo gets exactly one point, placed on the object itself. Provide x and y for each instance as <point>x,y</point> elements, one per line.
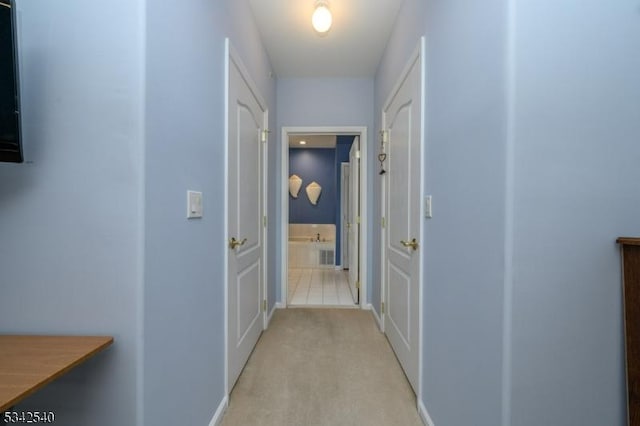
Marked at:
<point>629,241</point>
<point>28,363</point>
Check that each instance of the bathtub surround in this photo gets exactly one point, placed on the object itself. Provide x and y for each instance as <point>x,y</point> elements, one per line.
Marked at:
<point>311,246</point>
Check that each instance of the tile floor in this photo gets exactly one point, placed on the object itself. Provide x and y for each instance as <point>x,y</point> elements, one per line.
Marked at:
<point>319,286</point>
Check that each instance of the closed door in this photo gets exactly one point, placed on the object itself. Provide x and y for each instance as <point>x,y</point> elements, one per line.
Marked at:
<point>354,219</point>
<point>245,262</point>
<point>401,119</point>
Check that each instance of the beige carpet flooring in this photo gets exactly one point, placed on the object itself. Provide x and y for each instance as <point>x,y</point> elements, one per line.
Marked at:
<point>324,367</point>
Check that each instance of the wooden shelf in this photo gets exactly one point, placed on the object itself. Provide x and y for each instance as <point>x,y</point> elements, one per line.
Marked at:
<point>629,241</point>
<point>630,249</point>
<point>28,363</point>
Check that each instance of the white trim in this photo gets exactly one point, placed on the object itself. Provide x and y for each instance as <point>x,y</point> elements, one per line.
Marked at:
<point>227,64</point>
<point>222,407</point>
<point>364,211</point>
<point>424,414</point>
<point>507,325</point>
<point>383,242</point>
<point>376,317</point>
<point>423,165</point>
<point>141,251</point>
<point>265,209</point>
<point>276,305</point>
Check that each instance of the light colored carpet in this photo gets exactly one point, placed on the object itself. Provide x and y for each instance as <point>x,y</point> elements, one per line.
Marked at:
<point>324,367</point>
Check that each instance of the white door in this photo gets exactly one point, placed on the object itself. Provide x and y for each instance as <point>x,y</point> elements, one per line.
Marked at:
<point>354,218</point>
<point>401,118</point>
<point>245,263</point>
<point>344,215</point>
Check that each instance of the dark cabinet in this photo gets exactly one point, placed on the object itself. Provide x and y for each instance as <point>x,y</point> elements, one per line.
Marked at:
<point>631,293</point>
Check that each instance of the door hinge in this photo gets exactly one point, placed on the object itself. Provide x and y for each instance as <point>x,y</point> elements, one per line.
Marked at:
<point>264,135</point>
<point>384,222</point>
<point>358,220</point>
<point>264,305</point>
<point>384,135</point>
<point>358,154</point>
<point>358,285</point>
<point>382,307</point>
<point>264,221</point>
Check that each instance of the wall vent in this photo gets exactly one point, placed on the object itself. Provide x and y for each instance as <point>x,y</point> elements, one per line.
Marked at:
<point>326,257</point>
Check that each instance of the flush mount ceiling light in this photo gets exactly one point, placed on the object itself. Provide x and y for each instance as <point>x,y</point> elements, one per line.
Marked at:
<point>321,18</point>
<point>303,142</point>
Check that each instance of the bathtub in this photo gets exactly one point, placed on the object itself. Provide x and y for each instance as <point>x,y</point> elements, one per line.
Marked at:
<point>304,249</point>
<point>305,252</point>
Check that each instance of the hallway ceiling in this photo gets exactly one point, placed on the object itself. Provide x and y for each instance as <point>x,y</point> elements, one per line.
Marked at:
<point>352,48</point>
<point>312,141</point>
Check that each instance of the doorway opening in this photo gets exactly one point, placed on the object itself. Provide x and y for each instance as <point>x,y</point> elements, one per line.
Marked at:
<point>323,217</point>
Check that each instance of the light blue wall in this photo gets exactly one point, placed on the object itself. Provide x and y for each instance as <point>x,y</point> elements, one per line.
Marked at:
<point>121,117</point>
<point>533,116</point>
<point>70,222</point>
<point>314,102</point>
<point>465,170</point>
<point>576,150</point>
<point>184,282</point>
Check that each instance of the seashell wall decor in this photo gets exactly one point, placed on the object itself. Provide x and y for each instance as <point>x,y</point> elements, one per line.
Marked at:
<point>313,192</point>
<point>295,183</point>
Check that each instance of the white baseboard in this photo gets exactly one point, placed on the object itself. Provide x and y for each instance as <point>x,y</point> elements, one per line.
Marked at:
<point>424,415</point>
<point>276,305</point>
<point>217,417</point>
<point>375,315</point>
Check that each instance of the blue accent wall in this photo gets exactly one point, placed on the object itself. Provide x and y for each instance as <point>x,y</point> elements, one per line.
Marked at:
<point>319,165</point>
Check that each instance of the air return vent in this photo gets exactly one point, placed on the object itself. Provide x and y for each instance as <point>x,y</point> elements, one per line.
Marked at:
<point>326,257</point>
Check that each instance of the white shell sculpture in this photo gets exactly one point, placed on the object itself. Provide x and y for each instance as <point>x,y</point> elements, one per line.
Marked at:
<point>313,192</point>
<point>294,185</point>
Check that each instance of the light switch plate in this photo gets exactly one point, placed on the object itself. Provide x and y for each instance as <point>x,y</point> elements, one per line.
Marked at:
<point>427,207</point>
<point>194,204</point>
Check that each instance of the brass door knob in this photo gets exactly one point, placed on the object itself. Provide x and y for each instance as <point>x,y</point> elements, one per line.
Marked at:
<point>233,243</point>
<point>413,244</point>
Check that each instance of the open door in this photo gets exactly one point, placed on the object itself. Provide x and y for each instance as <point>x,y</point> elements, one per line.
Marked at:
<point>245,260</point>
<point>401,119</point>
<point>354,220</point>
<point>344,215</point>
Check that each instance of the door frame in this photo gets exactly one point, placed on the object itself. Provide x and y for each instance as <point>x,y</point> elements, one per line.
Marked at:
<point>418,53</point>
<point>284,192</point>
<point>229,55</point>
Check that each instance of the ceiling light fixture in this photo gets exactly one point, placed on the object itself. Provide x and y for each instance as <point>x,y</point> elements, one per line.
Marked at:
<point>321,18</point>
<point>303,142</point>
